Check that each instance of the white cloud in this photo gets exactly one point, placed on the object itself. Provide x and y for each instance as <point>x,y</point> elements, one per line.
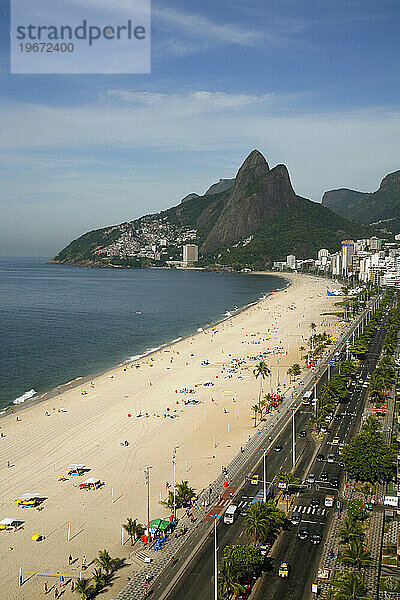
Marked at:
<point>200,27</point>
<point>63,157</point>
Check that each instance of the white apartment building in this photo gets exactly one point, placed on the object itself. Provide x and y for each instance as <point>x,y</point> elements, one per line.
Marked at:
<point>190,255</point>
<point>291,261</point>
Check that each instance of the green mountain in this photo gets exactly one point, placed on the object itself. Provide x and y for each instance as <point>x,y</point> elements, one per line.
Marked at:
<point>381,207</point>
<point>253,222</point>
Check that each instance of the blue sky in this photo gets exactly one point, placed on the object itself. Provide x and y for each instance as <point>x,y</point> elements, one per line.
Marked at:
<point>312,84</point>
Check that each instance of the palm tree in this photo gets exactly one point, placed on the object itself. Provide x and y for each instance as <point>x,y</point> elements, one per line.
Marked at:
<point>257,523</point>
<point>256,408</point>
<point>99,578</point>
<point>349,529</point>
<point>302,349</point>
<point>290,373</point>
<point>228,580</point>
<point>106,562</point>
<point>313,327</point>
<point>357,556</point>
<point>261,370</point>
<point>296,370</point>
<point>132,528</point>
<point>262,519</point>
<point>349,586</point>
<point>184,493</point>
<point>287,477</point>
<point>83,587</point>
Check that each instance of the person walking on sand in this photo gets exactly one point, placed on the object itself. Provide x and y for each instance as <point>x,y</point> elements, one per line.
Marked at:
<point>56,593</point>
<point>70,559</point>
<point>46,589</point>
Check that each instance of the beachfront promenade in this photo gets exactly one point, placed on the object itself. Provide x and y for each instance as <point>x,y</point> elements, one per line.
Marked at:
<point>158,572</point>
<point>96,422</point>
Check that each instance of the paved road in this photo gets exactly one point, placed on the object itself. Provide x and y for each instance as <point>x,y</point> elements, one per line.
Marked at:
<point>195,583</point>
<point>302,556</point>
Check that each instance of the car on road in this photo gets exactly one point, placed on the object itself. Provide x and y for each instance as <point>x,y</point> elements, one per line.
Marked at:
<point>320,458</point>
<point>295,519</point>
<point>303,533</point>
<point>283,570</point>
<point>255,480</point>
<point>331,458</point>
<point>336,440</point>
<point>278,448</point>
<point>265,548</point>
<point>324,476</point>
<point>315,502</point>
<point>316,537</point>
<point>311,478</point>
<point>303,433</point>
<point>335,481</point>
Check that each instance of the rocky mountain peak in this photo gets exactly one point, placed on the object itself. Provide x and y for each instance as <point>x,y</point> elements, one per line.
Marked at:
<point>254,167</point>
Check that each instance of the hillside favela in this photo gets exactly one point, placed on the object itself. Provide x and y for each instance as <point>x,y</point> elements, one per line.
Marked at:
<point>200,300</point>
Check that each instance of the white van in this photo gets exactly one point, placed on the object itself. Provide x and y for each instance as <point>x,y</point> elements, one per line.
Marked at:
<point>307,398</point>
<point>329,500</point>
<point>230,514</point>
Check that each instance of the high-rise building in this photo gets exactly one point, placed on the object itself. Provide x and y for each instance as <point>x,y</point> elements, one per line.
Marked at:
<point>375,243</point>
<point>291,261</point>
<point>190,255</point>
<point>347,252</point>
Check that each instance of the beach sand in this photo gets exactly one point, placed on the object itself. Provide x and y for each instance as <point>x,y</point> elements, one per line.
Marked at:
<point>209,435</point>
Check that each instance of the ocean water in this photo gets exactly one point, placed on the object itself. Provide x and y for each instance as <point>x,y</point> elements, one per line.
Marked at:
<point>60,322</point>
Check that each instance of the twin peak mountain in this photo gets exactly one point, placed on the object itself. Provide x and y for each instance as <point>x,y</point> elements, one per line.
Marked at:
<point>249,221</point>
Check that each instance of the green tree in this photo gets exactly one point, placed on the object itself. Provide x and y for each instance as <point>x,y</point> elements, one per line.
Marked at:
<point>99,578</point>
<point>132,528</point>
<point>83,587</point>
<point>256,409</point>
<point>368,458</point>
<point>287,477</point>
<point>261,370</point>
<point>106,562</point>
<point>184,493</point>
<point>349,586</point>
<point>349,529</point>
<point>301,350</point>
<point>183,496</point>
<point>356,554</point>
<point>296,370</point>
<point>356,509</point>
<point>263,519</point>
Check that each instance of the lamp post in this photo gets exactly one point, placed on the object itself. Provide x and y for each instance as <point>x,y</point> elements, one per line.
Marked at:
<point>264,451</point>
<point>174,467</point>
<point>215,517</point>
<point>147,482</point>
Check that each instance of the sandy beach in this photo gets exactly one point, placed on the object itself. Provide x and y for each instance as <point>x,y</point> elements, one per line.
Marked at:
<point>141,403</point>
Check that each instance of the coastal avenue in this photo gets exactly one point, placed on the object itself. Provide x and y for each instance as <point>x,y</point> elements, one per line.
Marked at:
<point>302,556</point>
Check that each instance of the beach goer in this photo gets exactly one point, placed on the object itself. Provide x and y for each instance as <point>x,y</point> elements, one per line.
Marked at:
<point>46,588</point>
<point>61,580</point>
<point>69,559</point>
<point>72,585</point>
<point>56,593</point>
<point>8,464</point>
<point>84,561</point>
